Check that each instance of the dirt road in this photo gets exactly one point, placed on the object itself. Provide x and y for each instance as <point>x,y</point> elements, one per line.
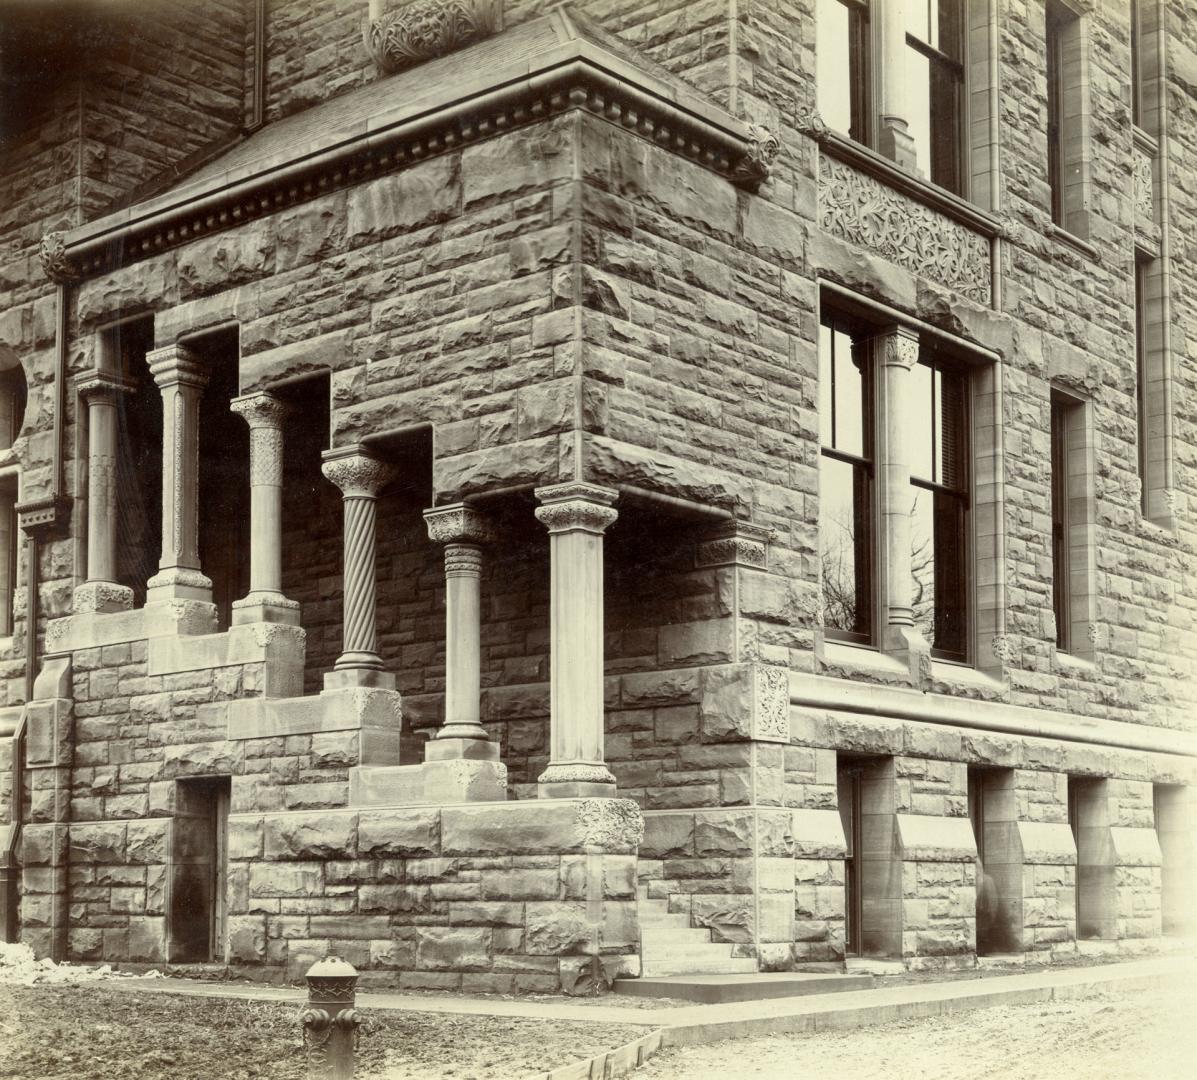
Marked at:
<point>1114,1035</point>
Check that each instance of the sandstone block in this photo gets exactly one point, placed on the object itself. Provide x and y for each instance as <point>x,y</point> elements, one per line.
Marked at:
<point>545,826</point>
<point>485,913</point>
<point>97,842</point>
<point>457,949</point>
<point>422,194</point>
<point>517,163</point>
<point>285,879</point>
<point>247,939</point>
<point>403,832</point>
<point>558,927</point>
<point>147,939</point>
<point>310,836</point>
<point>718,833</point>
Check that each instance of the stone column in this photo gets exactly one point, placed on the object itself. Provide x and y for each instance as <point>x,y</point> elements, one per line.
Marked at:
<point>182,379</point>
<point>264,413</point>
<point>101,591</point>
<point>897,351</point>
<point>361,476</point>
<point>463,532</point>
<point>893,136</point>
<point>577,515</point>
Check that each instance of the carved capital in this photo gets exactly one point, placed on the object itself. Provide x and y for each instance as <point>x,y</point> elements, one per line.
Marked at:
<point>419,30</point>
<point>260,410</point>
<point>357,472</point>
<point>576,507</point>
<point>757,163</point>
<point>899,347</point>
<point>55,263</point>
<point>737,543</point>
<point>102,386</point>
<point>175,365</point>
<point>458,524</point>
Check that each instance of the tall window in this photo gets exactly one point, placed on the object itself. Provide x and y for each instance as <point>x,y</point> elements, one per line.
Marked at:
<point>935,75</point>
<point>845,482</point>
<point>1142,382</point>
<point>1136,64</point>
<point>1067,150</point>
<point>842,60</point>
<point>1059,459</point>
<point>12,415</point>
<point>938,445</point>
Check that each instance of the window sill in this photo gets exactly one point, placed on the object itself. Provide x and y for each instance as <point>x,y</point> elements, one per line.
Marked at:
<point>1145,141</point>
<point>1058,232</point>
<point>909,183</point>
<point>848,658</point>
<point>1071,663</point>
<point>964,678</point>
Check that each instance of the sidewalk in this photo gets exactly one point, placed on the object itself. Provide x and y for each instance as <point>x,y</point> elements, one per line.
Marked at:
<point>693,1024</point>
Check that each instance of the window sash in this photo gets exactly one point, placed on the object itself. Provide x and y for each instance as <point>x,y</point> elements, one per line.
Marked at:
<point>1059,505</point>
<point>849,605</point>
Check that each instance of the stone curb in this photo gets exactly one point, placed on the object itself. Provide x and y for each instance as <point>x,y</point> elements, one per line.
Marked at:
<point>822,1014</point>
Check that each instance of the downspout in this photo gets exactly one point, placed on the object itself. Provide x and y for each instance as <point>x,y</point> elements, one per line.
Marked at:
<point>258,107</point>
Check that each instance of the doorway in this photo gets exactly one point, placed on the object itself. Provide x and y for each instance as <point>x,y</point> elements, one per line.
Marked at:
<point>199,871</point>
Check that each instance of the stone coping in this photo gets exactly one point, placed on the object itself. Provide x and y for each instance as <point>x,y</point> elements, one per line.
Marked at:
<point>541,67</point>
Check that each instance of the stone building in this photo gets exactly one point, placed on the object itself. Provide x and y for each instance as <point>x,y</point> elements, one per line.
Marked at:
<point>519,494</point>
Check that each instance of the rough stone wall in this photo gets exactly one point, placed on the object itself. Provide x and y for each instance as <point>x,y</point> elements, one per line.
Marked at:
<point>314,47</point>
<point>475,898</point>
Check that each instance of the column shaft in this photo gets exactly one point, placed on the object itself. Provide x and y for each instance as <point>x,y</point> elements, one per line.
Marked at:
<point>181,379</point>
<point>894,138</point>
<point>898,352</point>
<point>102,391</point>
<point>264,414</point>
<point>360,476</point>
<point>576,515</point>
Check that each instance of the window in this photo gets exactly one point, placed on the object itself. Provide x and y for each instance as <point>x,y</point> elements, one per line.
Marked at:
<point>1136,43</point>
<point>937,438</point>
<point>12,416</point>
<point>842,59</point>
<point>1067,113</point>
<point>1059,501</point>
<point>845,482</point>
<point>1142,431</point>
<point>935,76</point>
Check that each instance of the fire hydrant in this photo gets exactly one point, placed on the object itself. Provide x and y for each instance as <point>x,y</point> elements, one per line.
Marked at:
<point>330,1022</point>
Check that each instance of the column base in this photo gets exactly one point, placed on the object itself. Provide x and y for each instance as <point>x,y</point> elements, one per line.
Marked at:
<point>101,597</point>
<point>348,677</point>
<point>178,583</point>
<point>895,142</point>
<point>269,607</point>
<point>575,780</point>
<point>461,750</point>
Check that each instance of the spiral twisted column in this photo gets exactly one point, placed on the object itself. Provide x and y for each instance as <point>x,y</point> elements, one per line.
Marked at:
<point>463,531</point>
<point>265,602</point>
<point>181,378</point>
<point>102,392</point>
<point>361,476</point>
<point>577,515</point>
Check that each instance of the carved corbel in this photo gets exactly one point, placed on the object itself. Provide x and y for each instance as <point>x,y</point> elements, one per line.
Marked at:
<point>55,262</point>
<point>755,167</point>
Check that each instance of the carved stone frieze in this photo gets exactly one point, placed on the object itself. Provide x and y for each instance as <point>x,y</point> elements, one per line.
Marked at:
<point>862,210</point>
<point>608,824</point>
<point>771,703</point>
<point>1141,162</point>
<point>418,30</point>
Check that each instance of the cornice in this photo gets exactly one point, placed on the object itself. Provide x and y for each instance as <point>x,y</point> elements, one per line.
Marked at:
<point>576,76</point>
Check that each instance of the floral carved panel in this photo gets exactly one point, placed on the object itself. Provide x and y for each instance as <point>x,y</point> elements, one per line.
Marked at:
<point>860,209</point>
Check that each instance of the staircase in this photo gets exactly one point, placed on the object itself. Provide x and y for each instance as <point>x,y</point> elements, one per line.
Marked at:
<point>669,945</point>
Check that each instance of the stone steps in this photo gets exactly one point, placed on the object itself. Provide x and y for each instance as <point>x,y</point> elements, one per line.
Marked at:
<point>669,945</point>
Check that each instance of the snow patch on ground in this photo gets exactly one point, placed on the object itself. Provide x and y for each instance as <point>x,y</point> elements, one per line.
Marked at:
<point>19,966</point>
